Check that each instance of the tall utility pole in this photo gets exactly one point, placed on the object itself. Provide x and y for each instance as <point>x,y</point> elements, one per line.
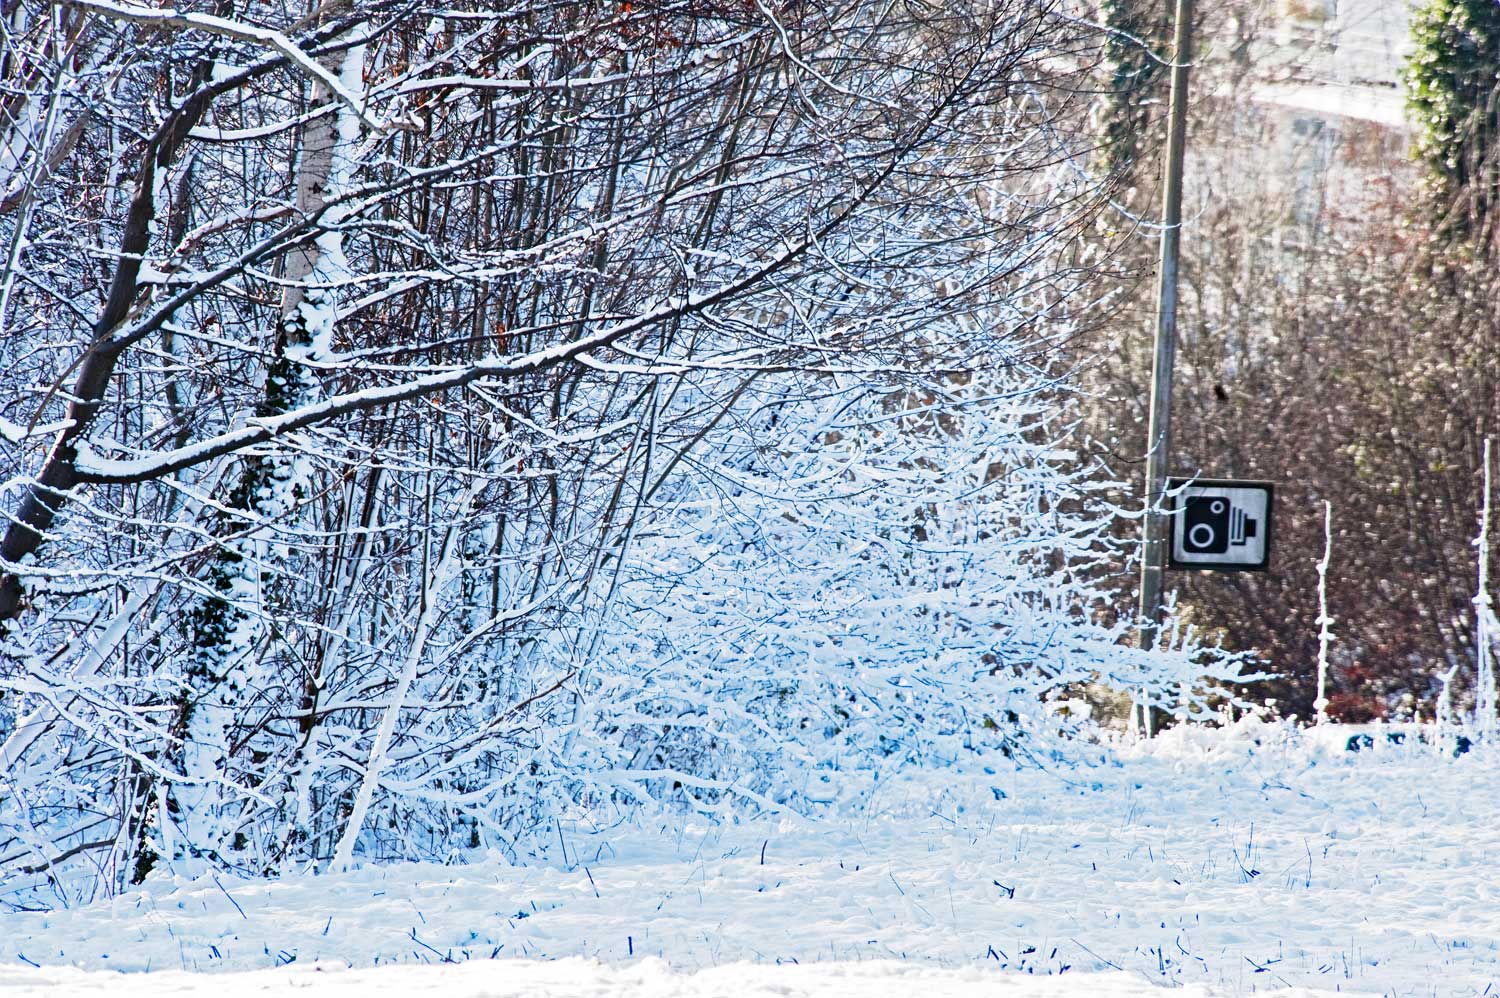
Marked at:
<point>1159,440</point>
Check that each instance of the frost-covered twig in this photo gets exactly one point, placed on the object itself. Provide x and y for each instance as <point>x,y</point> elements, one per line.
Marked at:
<point>1484,612</point>
<point>428,610</point>
<point>1324,622</point>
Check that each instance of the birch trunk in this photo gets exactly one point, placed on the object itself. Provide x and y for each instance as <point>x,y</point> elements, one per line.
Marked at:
<point>228,631</point>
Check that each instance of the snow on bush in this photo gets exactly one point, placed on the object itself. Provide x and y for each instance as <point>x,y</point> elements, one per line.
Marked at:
<point>896,577</point>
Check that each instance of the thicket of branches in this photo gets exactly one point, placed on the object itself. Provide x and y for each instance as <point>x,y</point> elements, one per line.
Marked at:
<point>423,425</point>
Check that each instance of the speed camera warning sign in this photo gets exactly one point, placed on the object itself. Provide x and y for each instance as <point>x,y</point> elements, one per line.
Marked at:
<point>1219,524</point>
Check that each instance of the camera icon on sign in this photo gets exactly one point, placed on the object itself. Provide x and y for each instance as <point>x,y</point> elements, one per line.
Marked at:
<point>1211,524</point>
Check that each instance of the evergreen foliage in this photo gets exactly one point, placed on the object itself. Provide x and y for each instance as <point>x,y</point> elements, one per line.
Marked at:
<point>1453,91</point>
<point>1132,47</point>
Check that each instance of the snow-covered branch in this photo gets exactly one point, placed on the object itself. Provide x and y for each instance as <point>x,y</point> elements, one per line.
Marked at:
<point>238,30</point>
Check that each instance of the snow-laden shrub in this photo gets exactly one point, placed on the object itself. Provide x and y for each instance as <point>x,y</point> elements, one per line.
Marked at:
<point>886,578</point>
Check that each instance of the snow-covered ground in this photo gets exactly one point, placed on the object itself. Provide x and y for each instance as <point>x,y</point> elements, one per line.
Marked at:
<point>1218,863</point>
<point>577,978</point>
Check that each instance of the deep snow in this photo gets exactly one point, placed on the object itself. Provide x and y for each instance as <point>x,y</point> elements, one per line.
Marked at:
<point>1248,862</point>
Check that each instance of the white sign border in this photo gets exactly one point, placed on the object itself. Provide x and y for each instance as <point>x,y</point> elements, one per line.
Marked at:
<point>1179,486</point>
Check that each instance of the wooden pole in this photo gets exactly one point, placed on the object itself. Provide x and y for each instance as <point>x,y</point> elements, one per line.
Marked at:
<point>1158,453</point>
